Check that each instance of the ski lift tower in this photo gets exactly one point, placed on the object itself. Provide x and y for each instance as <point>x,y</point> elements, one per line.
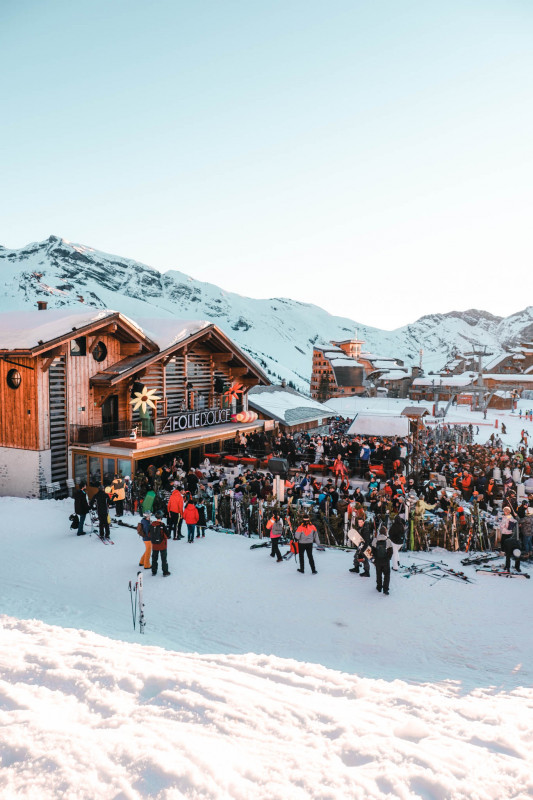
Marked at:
<point>479,389</point>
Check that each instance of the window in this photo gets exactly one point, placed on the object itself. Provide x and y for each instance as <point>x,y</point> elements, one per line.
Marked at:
<point>80,468</point>
<point>13,379</point>
<point>78,347</point>
<point>99,352</point>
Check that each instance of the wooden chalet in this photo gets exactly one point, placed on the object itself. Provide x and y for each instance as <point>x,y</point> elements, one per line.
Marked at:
<point>72,385</point>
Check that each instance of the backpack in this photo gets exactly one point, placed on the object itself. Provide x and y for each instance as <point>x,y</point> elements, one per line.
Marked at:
<point>381,549</point>
<point>156,534</point>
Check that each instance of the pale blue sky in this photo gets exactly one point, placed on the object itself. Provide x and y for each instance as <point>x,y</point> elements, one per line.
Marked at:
<point>374,158</point>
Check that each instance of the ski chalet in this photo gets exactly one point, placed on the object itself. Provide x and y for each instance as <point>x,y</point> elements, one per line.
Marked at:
<point>86,395</point>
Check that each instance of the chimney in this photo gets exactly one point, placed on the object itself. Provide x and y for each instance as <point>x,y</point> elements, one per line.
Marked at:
<point>42,305</point>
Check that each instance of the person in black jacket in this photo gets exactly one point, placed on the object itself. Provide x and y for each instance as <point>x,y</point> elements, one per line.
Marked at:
<point>81,506</point>
<point>396,535</point>
<point>382,552</point>
<point>99,502</point>
<point>512,546</point>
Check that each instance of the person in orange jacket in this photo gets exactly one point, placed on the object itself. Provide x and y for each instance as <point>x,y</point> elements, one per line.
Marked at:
<point>175,513</point>
<point>191,517</point>
<point>306,534</point>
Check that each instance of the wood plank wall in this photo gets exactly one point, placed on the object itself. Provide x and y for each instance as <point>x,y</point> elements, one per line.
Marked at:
<point>79,370</point>
<point>18,428</point>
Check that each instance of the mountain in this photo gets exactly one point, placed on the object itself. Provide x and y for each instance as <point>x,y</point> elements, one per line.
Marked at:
<point>279,333</point>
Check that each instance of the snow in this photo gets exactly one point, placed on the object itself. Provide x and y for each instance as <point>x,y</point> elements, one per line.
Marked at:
<point>169,332</point>
<point>22,330</point>
<point>251,679</point>
<point>464,379</point>
<point>379,425</point>
<point>279,333</point>
<point>277,401</point>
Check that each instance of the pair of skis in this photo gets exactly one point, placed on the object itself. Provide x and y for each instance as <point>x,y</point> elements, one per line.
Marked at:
<point>137,604</point>
<point>502,573</point>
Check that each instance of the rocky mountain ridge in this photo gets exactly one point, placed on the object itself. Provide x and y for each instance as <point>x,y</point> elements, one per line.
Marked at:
<point>278,332</point>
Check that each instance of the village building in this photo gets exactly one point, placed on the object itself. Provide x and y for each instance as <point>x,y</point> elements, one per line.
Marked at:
<point>342,368</point>
<point>87,395</point>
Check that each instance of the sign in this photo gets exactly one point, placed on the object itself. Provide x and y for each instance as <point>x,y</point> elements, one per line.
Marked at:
<point>192,419</point>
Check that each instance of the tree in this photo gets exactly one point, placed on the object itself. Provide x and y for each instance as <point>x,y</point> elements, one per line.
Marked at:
<point>323,389</point>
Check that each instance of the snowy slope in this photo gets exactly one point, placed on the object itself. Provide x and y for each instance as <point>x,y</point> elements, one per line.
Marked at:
<point>278,332</point>
<point>251,679</point>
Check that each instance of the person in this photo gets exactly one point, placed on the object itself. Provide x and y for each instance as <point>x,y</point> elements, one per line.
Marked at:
<point>382,552</point>
<point>175,513</point>
<point>306,534</point>
<point>99,502</point>
<point>512,549</point>
<point>202,519</point>
<point>191,517</point>
<point>505,529</point>
<point>526,531</point>
<point>396,535</point>
<point>158,539</point>
<point>275,526</point>
<point>81,506</point>
<point>363,529</point>
<point>143,529</point>
<point>118,493</point>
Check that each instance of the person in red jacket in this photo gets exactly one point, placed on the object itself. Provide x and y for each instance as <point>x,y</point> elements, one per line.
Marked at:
<point>158,537</point>
<point>191,517</point>
<point>175,513</point>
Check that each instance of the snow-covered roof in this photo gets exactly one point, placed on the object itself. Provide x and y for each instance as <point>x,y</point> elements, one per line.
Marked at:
<point>168,332</point>
<point>344,361</point>
<point>509,377</point>
<point>379,425</point>
<point>286,405</point>
<point>24,330</point>
<point>452,380</point>
<point>393,375</point>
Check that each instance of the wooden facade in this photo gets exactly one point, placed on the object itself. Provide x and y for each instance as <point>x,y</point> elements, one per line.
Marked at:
<point>70,397</point>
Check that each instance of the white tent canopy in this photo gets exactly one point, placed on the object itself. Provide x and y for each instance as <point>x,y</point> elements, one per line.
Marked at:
<point>379,425</point>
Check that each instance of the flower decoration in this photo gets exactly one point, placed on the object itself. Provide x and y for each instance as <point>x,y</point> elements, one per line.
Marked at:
<point>144,399</point>
<point>234,390</point>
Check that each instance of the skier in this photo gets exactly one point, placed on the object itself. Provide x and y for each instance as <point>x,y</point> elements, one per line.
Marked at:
<point>143,529</point>
<point>202,519</point>
<point>396,535</point>
<point>99,502</point>
<point>505,529</point>
<point>81,506</point>
<point>275,526</point>
<point>119,494</point>
<point>363,529</point>
<point>526,530</point>
<point>158,538</point>
<point>512,548</point>
<point>382,552</point>
<point>305,535</point>
<point>175,513</point>
<point>191,517</point>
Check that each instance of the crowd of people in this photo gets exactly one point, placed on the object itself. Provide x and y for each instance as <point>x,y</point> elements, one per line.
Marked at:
<point>367,484</point>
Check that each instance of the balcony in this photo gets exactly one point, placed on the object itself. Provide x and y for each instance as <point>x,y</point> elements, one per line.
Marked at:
<point>91,434</point>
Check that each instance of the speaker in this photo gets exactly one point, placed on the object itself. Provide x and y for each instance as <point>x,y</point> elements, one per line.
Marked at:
<point>278,466</point>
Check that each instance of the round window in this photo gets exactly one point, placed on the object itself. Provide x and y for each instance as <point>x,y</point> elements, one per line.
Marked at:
<point>13,379</point>
<point>100,351</point>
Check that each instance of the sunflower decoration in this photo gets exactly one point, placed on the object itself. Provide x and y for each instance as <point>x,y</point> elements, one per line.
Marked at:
<point>144,399</point>
<point>233,392</point>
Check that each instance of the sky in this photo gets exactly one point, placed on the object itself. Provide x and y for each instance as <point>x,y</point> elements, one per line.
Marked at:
<point>372,158</point>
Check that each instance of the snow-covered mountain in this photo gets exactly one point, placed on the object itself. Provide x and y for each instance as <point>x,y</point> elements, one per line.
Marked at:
<point>279,333</point>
